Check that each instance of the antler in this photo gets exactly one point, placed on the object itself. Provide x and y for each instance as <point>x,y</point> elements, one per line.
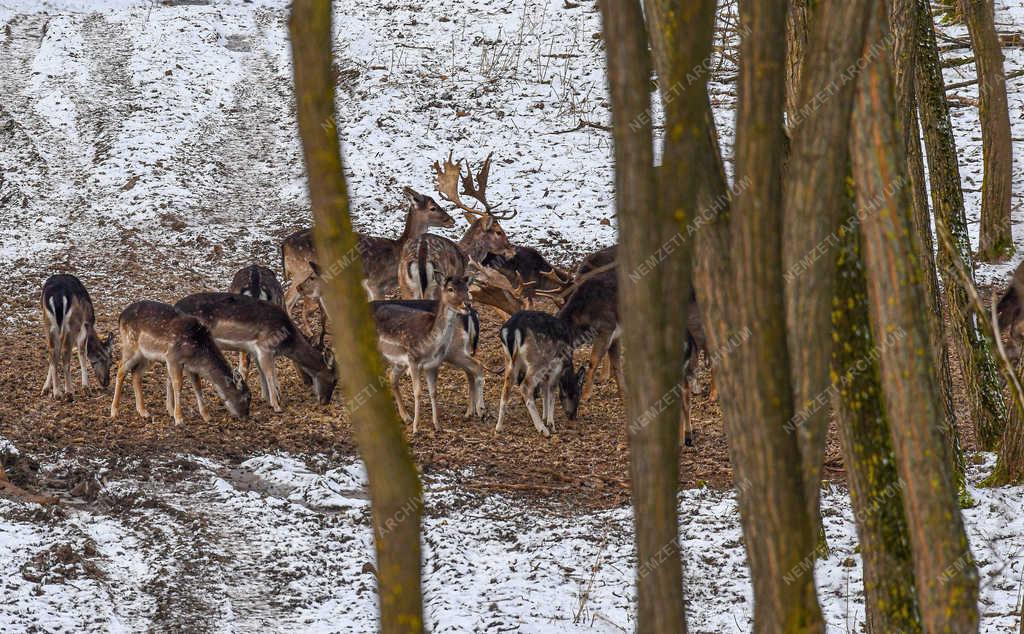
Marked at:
<point>561,295</point>
<point>448,185</point>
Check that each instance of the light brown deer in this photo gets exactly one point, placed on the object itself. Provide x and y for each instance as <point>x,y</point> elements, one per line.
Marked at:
<point>380,255</point>
<point>70,322</point>
<point>154,331</point>
<point>417,342</point>
<point>435,257</point>
<point>264,331</point>
<point>259,282</point>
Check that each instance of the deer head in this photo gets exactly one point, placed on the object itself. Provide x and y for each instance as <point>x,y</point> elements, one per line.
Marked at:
<point>426,211</point>
<point>485,234</point>
<point>101,355</point>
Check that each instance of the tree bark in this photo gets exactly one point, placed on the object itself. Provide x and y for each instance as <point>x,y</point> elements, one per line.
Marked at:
<point>974,350</point>
<point>1010,463</point>
<point>798,20</point>
<point>393,480</point>
<point>875,488</point>
<point>652,216</point>
<point>745,293</point>
<point>947,580</point>
<point>814,196</point>
<point>996,237</point>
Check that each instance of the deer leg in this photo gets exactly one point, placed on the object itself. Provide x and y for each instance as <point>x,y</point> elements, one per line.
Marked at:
<point>65,360</point>
<point>175,376</point>
<point>431,375</point>
<point>243,363</point>
<point>597,352</point>
<point>684,415</point>
<point>615,357</point>
<point>118,385</point>
<point>83,359</point>
<point>169,394</point>
<point>51,368</point>
<point>606,370</point>
<point>506,387</point>
<point>197,387</point>
<point>527,388</point>
<point>414,374</point>
<point>137,370</point>
<point>268,379</point>
<point>549,405</point>
<point>396,377</point>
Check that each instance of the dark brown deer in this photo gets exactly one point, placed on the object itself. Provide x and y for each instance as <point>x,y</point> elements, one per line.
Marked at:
<point>1010,310</point>
<point>417,342</point>
<point>70,323</point>
<point>265,332</point>
<point>154,331</point>
<point>529,269</point>
<point>592,312</point>
<point>380,255</point>
<point>538,351</point>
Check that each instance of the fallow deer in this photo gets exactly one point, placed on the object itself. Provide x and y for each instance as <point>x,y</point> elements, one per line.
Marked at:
<point>264,331</point>
<point>380,255</point>
<point>529,269</point>
<point>154,331</point>
<point>461,350</point>
<point>435,257</point>
<point>259,282</point>
<point>538,357</point>
<point>1010,310</point>
<point>70,322</point>
<point>418,341</point>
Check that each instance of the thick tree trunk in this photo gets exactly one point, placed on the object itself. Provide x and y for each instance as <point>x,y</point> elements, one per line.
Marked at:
<point>904,27</point>
<point>744,293</point>
<point>974,350</point>
<point>394,482</point>
<point>652,222</point>
<point>814,196</point>
<point>798,21</point>
<point>996,238</point>
<point>947,580</point>
<point>875,487</point>
<point>1010,464</point>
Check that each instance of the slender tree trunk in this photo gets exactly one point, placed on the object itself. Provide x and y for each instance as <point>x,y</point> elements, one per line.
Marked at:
<point>650,223</point>
<point>1010,463</point>
<point>974,350</point>
<point>904,29</point>
<point>875,487</point>
<point>744,293</point>
<point>996,238</point>
<point>394,482</point>
<point>947,580</point>
<point>814,197</point>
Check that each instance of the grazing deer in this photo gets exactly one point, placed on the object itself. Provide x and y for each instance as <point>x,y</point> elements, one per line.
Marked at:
<point>154,331</point>
<point>264,331</point>
<point>460,351</point>
<point>380,255</point>
<point>69,321</point>
<point>694,344</point>
<point>538,356</point>
<point>434,257</point>
<point>418,341</point>
<point>259,282</point>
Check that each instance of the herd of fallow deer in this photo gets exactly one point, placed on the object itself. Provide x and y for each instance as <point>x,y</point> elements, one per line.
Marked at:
<point>432,322</point>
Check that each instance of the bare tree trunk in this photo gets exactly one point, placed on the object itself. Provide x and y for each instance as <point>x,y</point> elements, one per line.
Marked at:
<point>875,488</point>
<point>974,350</point>
<point>798,21</point>
<point>996,238</point>
<point>394,482</point>
<point>652,222</point>
<point>744,293</point>
<point>947,579</point>
<point>1010,463</point>
<point>814,197</point>
<point>904,28</point>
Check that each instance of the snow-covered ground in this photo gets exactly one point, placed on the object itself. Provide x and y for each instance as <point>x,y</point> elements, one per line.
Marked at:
<point>130,130</point>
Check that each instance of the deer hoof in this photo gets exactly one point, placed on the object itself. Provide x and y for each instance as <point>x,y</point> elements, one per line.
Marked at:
<point>688,440</point>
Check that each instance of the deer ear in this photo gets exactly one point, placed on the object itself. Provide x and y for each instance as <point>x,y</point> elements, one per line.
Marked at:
<point>414,196</point>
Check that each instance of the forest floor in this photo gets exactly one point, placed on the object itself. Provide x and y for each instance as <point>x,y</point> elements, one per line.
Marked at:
<point>150,149</point>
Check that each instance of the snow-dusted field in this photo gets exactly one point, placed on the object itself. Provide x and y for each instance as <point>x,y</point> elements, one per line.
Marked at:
<point>130,130</point>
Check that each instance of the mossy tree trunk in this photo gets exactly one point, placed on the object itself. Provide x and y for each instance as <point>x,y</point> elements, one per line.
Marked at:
<point>652,217</point>
<point>875,488</point>
<point>738,272</point>
<point>394,483</point>
<point>904,28</point>
<point>946,577</point>
<point>974,350</point>
<point>995,237</point>
<point>813,201</point>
